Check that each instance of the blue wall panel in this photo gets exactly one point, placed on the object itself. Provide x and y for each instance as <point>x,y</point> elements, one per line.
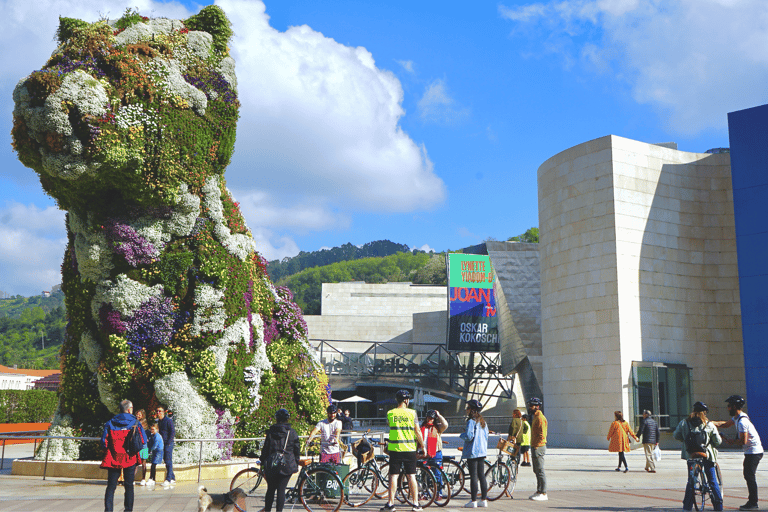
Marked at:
<point>748,131</point>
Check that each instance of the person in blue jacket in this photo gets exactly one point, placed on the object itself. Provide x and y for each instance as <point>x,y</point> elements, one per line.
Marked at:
<point>168,433</point>
<point>156,448</point>
<point>475,438</point>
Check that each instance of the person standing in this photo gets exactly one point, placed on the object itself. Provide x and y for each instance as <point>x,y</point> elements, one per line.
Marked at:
<point>156,452</point>
<point>167,431</point>
<point>347,426</point>
<point>525,443</point>
<point>747,437</point>
<point>116,460</point>
<point>475,438</point>
<point>141,416</point>
<point>432,429</point>
<point>515,433</point>
<point>330,432</point>
<point>703,444</point>
<point>538,447</point>
<point>618,436</point>
<point>404,439</point>
<point>281,438</point>
<point>649,430</point>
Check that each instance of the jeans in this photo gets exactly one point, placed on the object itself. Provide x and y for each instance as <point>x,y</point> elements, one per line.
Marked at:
<point>476,468</point>
<point>437,460</point>
<point>537,459</point>
<point>715,494</point>
<point>168,459</point>
<point>113,475</point>
<point>751,460</point>
<point>276,484</point>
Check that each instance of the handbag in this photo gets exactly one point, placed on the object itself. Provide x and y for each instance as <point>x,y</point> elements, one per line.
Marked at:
<point>657,453</point>
<point>276,463</point>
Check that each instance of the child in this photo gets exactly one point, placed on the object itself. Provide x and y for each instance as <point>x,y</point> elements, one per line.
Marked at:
<point>156,451</point>
<point>525,445</point>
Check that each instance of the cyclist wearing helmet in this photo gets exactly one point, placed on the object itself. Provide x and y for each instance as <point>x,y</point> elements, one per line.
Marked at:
<point>699,435</point>
<point>475,438</point>
<point>330,432</point>
<point>750,440</point>
<point>431,429</point>
<point>280,439</point>
<point>538,447</point>
<point>404,439</point>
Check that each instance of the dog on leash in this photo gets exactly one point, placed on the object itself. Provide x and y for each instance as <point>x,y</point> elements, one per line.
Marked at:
<point>233,501</point>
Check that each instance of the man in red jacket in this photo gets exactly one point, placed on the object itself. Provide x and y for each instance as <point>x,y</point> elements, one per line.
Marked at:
<point>116,459</point>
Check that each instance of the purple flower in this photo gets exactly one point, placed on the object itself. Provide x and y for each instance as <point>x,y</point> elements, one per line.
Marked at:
<point>129,244</point>
<point>110,320</point>
<point>150,326</point>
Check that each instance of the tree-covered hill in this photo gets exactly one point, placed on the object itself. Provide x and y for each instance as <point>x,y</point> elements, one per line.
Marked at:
<point>33,339</point>
<point>14,306</point>
<point>288,266</point>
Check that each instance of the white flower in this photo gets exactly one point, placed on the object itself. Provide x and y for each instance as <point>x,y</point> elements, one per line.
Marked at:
<point>193,416</point>
<point>90,352</point>
<point>238,245</point>
<point>227,70</point>
<point>200,44</point>
<point>209,310</point>
<point>94,258</point>
<point>185,214</point>
<point>146,30</point>
<point>258,328</point>
<point>125,295</point>
<point>236,334</point>
<point>171,80</point>
<point>107,395</point>
<point>254,372</point>
<point>59,449</point>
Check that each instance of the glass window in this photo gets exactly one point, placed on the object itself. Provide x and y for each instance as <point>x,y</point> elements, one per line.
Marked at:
<point>664,389</point>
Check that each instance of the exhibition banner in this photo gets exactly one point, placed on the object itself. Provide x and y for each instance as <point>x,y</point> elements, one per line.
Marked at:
<point>472,318</point>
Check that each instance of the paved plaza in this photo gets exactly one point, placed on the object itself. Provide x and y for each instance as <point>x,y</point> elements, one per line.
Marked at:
<point>578,479</point>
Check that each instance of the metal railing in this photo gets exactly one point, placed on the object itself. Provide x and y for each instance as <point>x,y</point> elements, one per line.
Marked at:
<point>22,434</point>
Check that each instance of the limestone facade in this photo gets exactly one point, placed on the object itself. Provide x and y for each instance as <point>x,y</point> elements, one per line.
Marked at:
<point>638,263</point>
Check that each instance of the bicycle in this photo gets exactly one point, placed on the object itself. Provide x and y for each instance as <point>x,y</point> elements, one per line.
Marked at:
<point>363,482</point>
<point>459,471</point>
<point>699,481</point>
<point>318,487</point>
<point>502,474</point>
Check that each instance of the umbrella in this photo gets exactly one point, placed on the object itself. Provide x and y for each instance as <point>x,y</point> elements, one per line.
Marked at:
<point>431,399</point>
<point>356,399</point>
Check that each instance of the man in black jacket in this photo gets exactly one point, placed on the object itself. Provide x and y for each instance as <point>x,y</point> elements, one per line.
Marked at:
<point>649,429</point>
<point>167,431</point>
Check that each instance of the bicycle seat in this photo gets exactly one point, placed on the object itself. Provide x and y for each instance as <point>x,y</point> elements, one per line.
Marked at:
<point>382,457</point>
<point>698,455</point>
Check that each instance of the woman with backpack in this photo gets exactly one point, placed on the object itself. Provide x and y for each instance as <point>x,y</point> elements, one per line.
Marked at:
<point>279,459</point>
<point>618,436</point>
<point>700,439</point>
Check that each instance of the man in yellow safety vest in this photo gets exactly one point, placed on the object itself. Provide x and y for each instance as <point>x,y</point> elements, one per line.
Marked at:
<point>404,436</point>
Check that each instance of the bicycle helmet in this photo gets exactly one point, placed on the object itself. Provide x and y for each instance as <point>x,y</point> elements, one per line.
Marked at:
<point>403,395</point>
<point>736,400</point>
<point>432,414</point>
<point>475,405</point>
<point>331,409</point>
<point>700,407</point>
<point>282,415</point>
<point>534,400</point>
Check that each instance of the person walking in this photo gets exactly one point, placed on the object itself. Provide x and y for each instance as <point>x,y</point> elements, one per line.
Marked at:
<point>280,439</point>
<point>538,447</point>
<point>432,427</point>
<point>330,432</point>
<point>347,426</point>
<point>404,439</point>
<point>475,449</point>
<point>116,460</point>
<point>700,436</point>
<point>167,430</point>
<point>747,437</point>
<point>618,435</point>
<point>649,430</point>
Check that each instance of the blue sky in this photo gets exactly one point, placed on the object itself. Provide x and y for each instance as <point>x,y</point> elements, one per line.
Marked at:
<point>419,122</point>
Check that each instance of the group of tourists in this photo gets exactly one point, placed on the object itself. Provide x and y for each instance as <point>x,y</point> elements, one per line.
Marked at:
<point>156,445</point>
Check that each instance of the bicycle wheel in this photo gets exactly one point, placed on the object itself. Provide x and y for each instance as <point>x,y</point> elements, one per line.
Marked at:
<point>383,485</point>
<point>443,495</point>
<point>497,479</point>
<point>455,475</point>
<point>361,485</point>
<point>321,489</point>
<point>700,487</point>
<point>512,464</point>
<point>252,482</point>
<point>426,488</point>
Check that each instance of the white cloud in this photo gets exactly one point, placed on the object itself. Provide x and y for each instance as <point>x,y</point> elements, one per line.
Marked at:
<point>437,106</point>
<point>31,248</point>
<point>407,65</point>
<point>692,60</point>
<point>425,248</point>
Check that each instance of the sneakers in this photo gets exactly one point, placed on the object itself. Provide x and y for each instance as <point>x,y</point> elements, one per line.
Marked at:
<point>539,497</point>
<point>749,506</point>
<point>471,504</point>
<point>417,508</point>
<point>387,508</point>
<point>166,483</point>
<point>173,482</point>
<point>618,469</point>
<point>150,482</point>
<point>626,469</point>
<point>482,503</point>
<point>143,482</point>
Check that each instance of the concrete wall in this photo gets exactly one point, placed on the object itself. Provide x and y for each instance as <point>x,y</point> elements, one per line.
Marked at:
<point>638,263</point>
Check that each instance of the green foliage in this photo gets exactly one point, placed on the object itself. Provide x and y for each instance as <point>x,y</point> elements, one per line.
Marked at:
<point>33,324</point>
<point>307,284</point>
<point>130,17</point>
<point>67,27</point>
<point>289,266</point>
<point>530,236</point>
<point>434,272</point>
<point>212,19</point>
<point>27,406</point>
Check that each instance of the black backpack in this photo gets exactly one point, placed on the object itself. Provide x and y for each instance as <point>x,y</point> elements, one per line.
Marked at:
<point>133,441</point>
<point>697,439</point>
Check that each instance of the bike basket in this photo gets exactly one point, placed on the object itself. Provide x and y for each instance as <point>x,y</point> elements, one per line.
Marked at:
<point>505,446</point>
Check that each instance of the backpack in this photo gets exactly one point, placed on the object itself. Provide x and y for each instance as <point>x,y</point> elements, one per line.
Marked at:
<point>133,441</point>
<point>276,464</point>
<point>697,439</point>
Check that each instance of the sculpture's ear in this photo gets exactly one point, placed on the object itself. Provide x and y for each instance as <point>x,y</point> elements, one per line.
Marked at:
<point>67,27</point>
<point>212,19</point>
